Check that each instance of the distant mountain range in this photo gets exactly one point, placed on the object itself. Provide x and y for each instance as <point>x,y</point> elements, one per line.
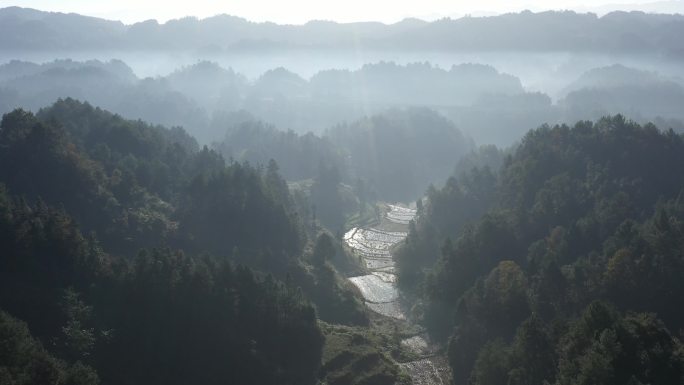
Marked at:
<point>192,96</point>
<point>665,6</point>
<point>205,98</point>
<point>616,32</point>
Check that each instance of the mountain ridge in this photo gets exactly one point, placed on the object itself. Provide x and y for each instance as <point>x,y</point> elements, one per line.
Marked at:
<point>549,31</point>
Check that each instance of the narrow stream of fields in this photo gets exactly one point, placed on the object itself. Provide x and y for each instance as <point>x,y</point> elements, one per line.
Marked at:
<point>379,289</point>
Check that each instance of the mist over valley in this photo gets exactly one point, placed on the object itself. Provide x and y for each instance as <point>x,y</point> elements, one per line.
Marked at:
<point>485,200</point>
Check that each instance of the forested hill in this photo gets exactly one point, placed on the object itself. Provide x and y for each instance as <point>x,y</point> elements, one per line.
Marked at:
<point>129,255</point>
<point>22,28</point>
<point>562,266</point>
<point>134,184</point>
<point>207,99</point>
<point>401,152</point>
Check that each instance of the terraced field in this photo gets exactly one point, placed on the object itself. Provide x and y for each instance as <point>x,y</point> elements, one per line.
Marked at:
<point>400,214</point>
<point>380,292</point>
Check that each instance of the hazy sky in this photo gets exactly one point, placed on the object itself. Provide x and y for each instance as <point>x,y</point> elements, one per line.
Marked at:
<point>300,11</point>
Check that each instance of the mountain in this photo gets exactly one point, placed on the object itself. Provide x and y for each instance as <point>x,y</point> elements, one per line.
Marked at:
<point>552,31</point>
<point>664,6</point>
<point>201,97</point>
<point>616,75</point>
<point>558,263</point>
<point>23,28</point>
<point>400,152</point>
<point>641,95</point>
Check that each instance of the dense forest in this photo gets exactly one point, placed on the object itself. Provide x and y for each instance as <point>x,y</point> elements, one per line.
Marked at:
<point>128,251</point>
<point>560,262</point>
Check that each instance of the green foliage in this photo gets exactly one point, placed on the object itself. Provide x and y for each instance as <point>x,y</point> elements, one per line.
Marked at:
<point>324,249</point>
<point>297,155</point>
<point>532,354</point>
<point>141,321</point>
<point>198,320</point>
<point>43,253</point>
<point>164,316</point>
<point>358,356</point>
<point>137,185</point>
<point>103,198</point>
<point>491,367</point>
<point>327,199</point>
<point>390,156</point>
<point>379,149</point>
<point>231,208</point>
<point>79,340</point>
<point>24,361</point>
<point>607,348</point>
<point>500,300</point>
<point>449,209</point>
<point>27,145</point>
<point>572,216</point>
<point>333,295</point>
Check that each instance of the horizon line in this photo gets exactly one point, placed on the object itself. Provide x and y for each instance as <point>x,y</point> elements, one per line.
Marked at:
<point>452,17</point>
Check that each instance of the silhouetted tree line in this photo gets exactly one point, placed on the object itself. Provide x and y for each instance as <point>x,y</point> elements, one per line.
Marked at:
<point>550,31</point>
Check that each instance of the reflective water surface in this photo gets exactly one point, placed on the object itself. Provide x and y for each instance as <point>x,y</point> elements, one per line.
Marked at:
<point>380,292</point>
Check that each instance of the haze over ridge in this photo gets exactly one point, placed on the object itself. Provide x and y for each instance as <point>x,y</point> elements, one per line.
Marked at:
<point>302,11</point>
<point>551,31</point>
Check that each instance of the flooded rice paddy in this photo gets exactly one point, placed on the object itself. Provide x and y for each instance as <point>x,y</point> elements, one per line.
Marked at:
<point>376,290</point>
<point>426,371</point>
<point>400,214</point>
<point>372,243</point>
<point>379,289</point>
